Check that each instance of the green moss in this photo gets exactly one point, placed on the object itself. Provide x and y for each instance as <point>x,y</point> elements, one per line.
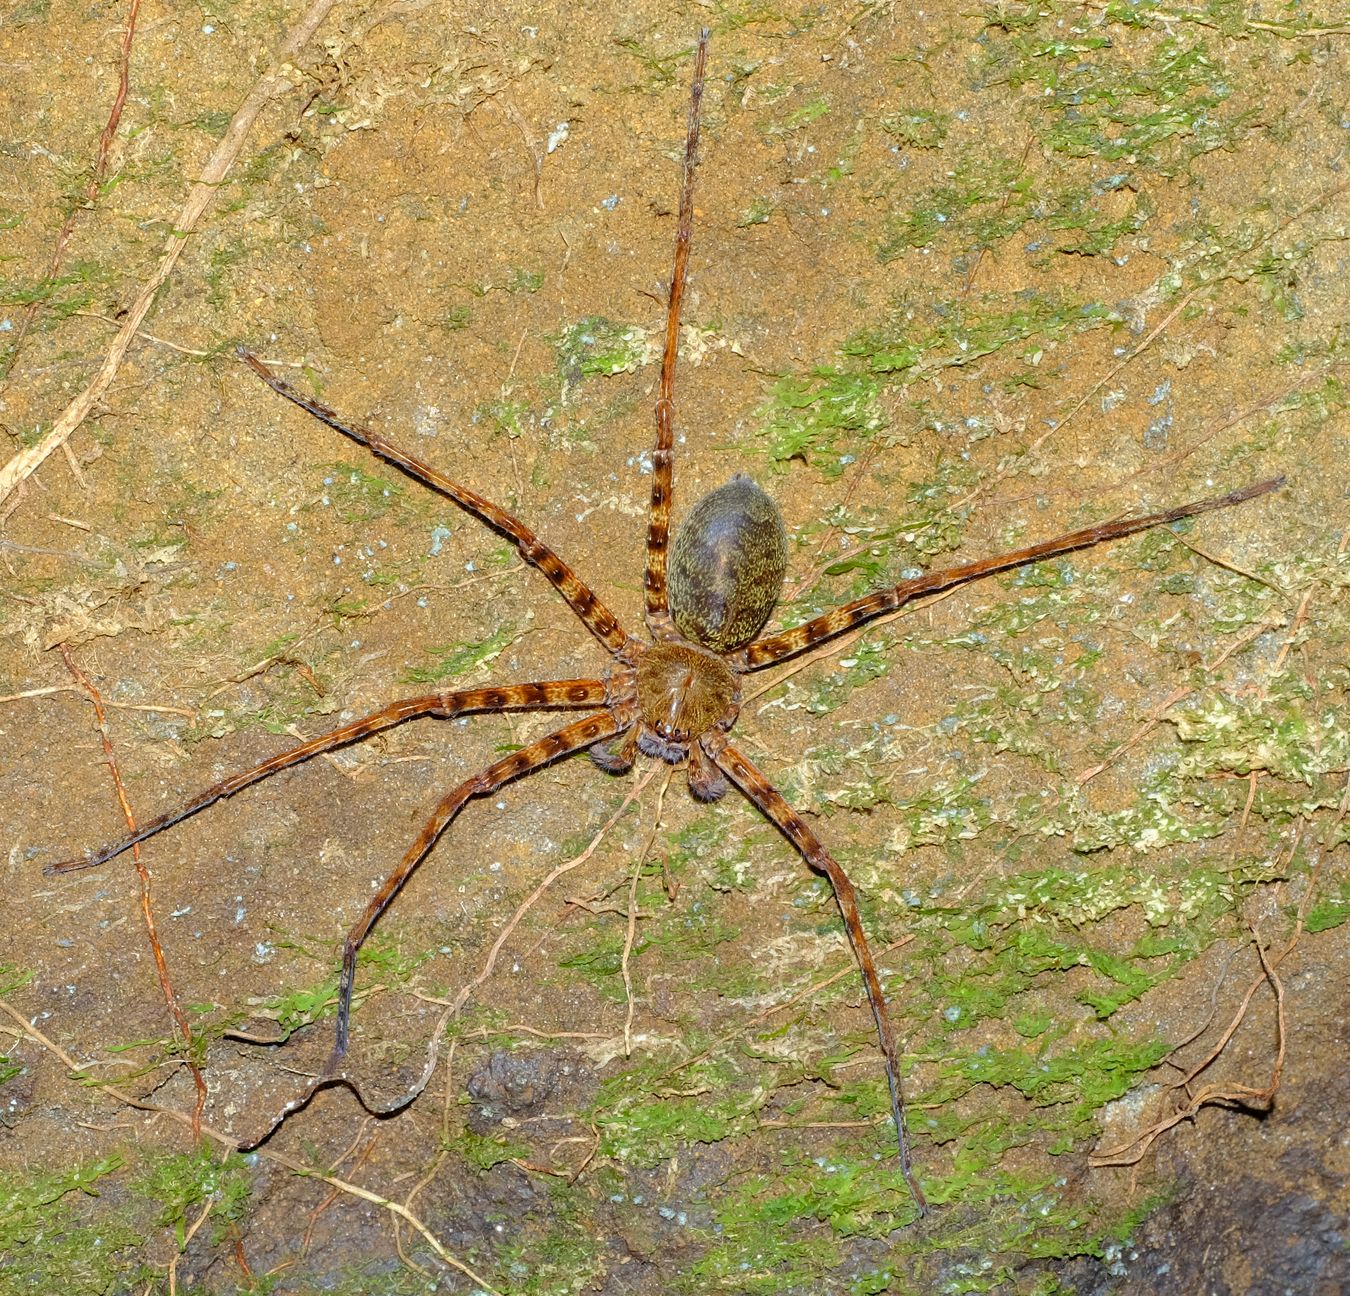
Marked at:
<point>565,1255</point>
<point>812,418</point>
<point>686,937</point>
<point>640,1128</point>
<point>379,964</point>
<point>1085,1077</point>
<point>659,70</point>
<point>827,415</point>
<point>803,115</point>
<point>521,280</point>
<point>866,661</point>
<point>293,1009</point>
<point>291,699</point>
<point>483,1151</point>
<point>599,346</point>
<point>509,416</point>
<point>12,978</point>
<point>49,1231</point>
<point>357,495</point>
<point>221,263</point>
<point>1329,913</point>
<point>1148,104</point>
<point>450,661</point>
<point>703,845</point>
<point>61,295</point>
<point>1288,730</point>
<point>963,335</point>
<point>181,1185</point>
<point>28,12</point>
<point>921,128</point>
<point>757,213</point>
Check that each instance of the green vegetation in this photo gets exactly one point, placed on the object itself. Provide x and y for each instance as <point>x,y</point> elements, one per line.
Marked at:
<point>809,418</point>
<point>598,346</point>
<point>47,1228</point>
<point>826,417</point>
<point>757,213</point>
<point>450,661</point>
<point>73,289</point>
<point>181,1185</point>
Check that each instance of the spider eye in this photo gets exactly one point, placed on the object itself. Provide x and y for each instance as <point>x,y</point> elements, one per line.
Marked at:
<point>727,565</point>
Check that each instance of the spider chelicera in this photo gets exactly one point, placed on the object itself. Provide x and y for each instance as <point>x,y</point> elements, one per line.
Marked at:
<point>675,697</point>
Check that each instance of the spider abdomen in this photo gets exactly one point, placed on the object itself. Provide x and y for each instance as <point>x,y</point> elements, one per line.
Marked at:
<point>727,565</point>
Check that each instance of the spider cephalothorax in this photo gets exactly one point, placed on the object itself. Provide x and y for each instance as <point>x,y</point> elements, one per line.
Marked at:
<point>676,697</point>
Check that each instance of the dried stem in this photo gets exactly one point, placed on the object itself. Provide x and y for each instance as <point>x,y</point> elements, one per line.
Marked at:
<point>147,907</point>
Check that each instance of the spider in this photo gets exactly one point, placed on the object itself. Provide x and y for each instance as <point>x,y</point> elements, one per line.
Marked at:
<point>674,696</point>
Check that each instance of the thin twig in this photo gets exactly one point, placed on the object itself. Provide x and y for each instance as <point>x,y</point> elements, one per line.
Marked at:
<point>97,176</point>
<point>531,147</point>
<point>207,1207</point>
<point>490,963</point>
<point>630,929</point>
<point>147,907</point>
<point>202,194</point>
<point>267,1154</point>
<point>195,352</point>
<point>1225,1094</point>
<point>51,689</point>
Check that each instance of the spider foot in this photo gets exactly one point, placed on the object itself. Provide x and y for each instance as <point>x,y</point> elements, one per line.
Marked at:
<point>706,781</point>
<point>618,754</point>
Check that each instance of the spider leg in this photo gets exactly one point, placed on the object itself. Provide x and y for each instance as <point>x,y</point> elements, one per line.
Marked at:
<point>574,737</point>
<point>555,693</point>
<point>595,616</point>
<point>764,795</point>
<point>775,648</point>
<point>658,526</point>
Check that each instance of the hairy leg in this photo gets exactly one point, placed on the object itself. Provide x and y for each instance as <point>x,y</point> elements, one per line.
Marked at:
<point>778,647</point>
<point>555,693</point>
<point>573,737</point>
<point>596,617</point>
<point>658,527</point>
<point>764,795</point>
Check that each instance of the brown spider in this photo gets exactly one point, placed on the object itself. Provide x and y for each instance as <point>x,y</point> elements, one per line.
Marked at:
<point>676,697</point>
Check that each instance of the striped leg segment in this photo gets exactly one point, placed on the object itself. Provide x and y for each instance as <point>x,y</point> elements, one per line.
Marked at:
<point>764,795</point>
<point>554,693</point>
<point>775,648</point>
<point>574,737</point>
<point>658,527</point>
<point>596,617</point>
